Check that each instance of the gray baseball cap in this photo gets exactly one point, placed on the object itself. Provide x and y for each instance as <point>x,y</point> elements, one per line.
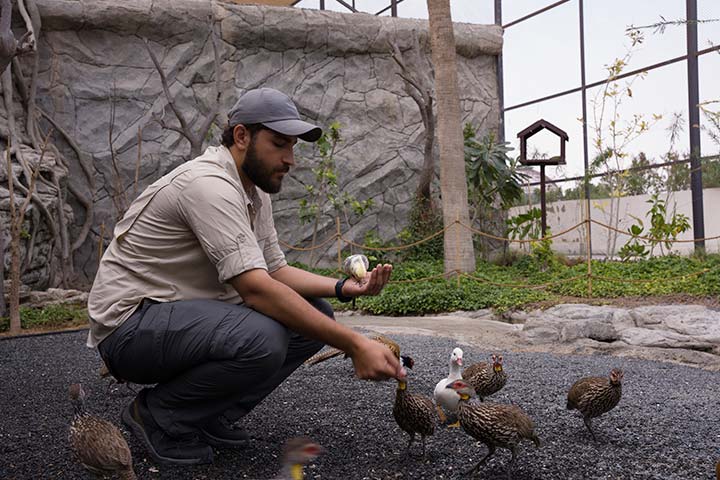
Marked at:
<point>275,110</point>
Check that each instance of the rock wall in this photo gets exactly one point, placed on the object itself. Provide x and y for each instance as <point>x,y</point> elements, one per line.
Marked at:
<point>97,82</point>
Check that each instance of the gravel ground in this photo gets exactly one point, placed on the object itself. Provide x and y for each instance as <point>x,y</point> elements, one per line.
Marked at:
<point>666,426</point>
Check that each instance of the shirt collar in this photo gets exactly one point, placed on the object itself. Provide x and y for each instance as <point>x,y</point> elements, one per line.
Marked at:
<point>228,163</point>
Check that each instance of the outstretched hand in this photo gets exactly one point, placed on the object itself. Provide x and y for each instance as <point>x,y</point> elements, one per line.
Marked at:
<point>375,361</point>
<point>372,284</point>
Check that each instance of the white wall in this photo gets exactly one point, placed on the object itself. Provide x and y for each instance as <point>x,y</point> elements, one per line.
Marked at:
<point>564,214</point>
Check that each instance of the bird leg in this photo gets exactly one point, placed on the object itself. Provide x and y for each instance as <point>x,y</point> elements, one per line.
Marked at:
<point>491,451</point>
<point>441,414</point>
<point>412,439</point>
<point>422,437</point>
<point>513,451</point>
<point>587,424</point>
<point>452,421</point>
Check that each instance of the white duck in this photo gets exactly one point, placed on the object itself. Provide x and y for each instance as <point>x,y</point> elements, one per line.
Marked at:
<point>446,399</point>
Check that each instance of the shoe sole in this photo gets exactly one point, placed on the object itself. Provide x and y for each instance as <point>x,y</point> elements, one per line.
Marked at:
<point>140,434</point>
<point>220,442</point>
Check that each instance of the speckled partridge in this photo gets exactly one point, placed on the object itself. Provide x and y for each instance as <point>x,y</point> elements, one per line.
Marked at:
<point>495,425</point>
<point>297,452</point>
<point>99,445</point>
<point>593,396</point>
<point>486,378</point>
<point>414,413</point>
<point>336,352</point>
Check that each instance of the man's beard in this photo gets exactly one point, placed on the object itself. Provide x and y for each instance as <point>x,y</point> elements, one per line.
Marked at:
<point>258,173</point>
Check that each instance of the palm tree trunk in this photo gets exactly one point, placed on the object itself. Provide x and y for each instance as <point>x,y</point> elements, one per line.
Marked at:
<point>459,254</point>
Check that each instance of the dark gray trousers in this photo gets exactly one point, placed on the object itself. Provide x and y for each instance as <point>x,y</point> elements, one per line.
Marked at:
<point>207,357</point>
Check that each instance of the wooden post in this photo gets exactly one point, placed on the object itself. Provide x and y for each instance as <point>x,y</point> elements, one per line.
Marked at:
<point>543,208</point>
<point>339,239</point>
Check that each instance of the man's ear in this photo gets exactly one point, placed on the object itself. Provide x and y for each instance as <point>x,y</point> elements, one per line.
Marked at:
<point>241,136</point>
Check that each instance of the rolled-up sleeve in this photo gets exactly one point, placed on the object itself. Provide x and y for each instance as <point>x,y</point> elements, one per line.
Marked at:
<point>217,214</point>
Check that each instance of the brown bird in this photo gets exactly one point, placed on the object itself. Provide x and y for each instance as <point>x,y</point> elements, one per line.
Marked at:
<point>486,378</point>
<point>336,352</point>
<point>414,413</point>
<point>98,444</point>
<point>717,470</point>
<point>297,452</point>
<point>593,396</point>
<point>493,424</point>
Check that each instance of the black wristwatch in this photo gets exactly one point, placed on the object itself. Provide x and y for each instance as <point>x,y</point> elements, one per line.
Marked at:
<point>338,291</point>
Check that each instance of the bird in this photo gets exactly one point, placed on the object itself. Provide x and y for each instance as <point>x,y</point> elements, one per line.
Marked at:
<point>717,470</point>
<point>495,425</point>
<point>336,352</point>
<point>486,378</point>
<point>99,445</point>
<point>447,400</point>
<point>414,413</point>
<point>593,396</point>
<point>356,266</point>
<point>297,452</point>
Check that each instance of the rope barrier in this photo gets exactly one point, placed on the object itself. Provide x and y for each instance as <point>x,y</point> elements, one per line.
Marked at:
<point>649,280</point>
<point>307,249</point>
<point>651,239</point>
<point>589,276</point>
<point>509,240</point>
<point>399,247</point>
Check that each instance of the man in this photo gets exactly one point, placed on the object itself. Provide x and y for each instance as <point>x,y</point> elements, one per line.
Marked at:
<point>194,294</point>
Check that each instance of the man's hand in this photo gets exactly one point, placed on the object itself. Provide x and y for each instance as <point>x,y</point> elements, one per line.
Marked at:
<point>374,361</point>
<point>372,284</point>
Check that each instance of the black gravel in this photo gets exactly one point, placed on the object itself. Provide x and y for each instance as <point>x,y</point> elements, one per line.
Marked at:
<point>666,426</point>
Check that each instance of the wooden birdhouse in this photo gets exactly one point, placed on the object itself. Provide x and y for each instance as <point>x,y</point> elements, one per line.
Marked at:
<point>532,130</point>
<point>542,162</point>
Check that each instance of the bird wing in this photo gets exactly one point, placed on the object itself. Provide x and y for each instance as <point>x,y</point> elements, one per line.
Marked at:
<point>336,352</point>
<point>581,387</point>
<point>392,345</point>
<point>473,370</point>
<point>324,355</point>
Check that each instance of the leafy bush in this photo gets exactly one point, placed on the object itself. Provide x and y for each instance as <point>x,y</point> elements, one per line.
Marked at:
<point>49,316</point>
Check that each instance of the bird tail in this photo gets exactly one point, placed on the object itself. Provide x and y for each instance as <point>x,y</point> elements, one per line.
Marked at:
<point>322,356</point>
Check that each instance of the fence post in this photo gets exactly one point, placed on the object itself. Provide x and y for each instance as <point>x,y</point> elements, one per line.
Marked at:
<point>588,246</point>
<point>339,239</point>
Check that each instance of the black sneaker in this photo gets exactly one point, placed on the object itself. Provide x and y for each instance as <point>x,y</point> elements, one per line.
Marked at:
<point>163,448</point>
<point>220,433</point>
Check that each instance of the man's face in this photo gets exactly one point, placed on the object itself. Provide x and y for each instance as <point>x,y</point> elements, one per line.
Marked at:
<point>268,158</point>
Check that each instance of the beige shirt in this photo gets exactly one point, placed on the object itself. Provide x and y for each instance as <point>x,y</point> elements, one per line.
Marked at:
<point>183,238</point>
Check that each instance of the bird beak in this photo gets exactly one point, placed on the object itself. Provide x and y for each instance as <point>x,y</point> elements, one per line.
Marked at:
<point>459,361</point>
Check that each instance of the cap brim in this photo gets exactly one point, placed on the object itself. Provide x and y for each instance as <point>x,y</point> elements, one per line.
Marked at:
<point>296,128</point>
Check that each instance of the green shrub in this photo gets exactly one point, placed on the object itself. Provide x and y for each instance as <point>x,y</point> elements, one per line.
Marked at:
<point>49,316</point>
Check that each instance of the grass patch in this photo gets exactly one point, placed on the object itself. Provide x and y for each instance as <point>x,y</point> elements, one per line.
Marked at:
<point>49,317</point>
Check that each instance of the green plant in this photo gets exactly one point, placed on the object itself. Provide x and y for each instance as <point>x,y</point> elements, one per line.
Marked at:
<point>325,189</point>
<point>423,224</point>
<point>373,240</point>
<point>525,225</point>
<point>491,173</point>
<point>49,316</point>
<point>634,248</point>
<point>662,232</point>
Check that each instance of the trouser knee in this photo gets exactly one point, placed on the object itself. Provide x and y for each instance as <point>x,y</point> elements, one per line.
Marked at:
<point>322,305</point>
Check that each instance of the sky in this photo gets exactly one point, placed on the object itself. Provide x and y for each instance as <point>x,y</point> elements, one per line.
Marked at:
<point>541,56</point>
